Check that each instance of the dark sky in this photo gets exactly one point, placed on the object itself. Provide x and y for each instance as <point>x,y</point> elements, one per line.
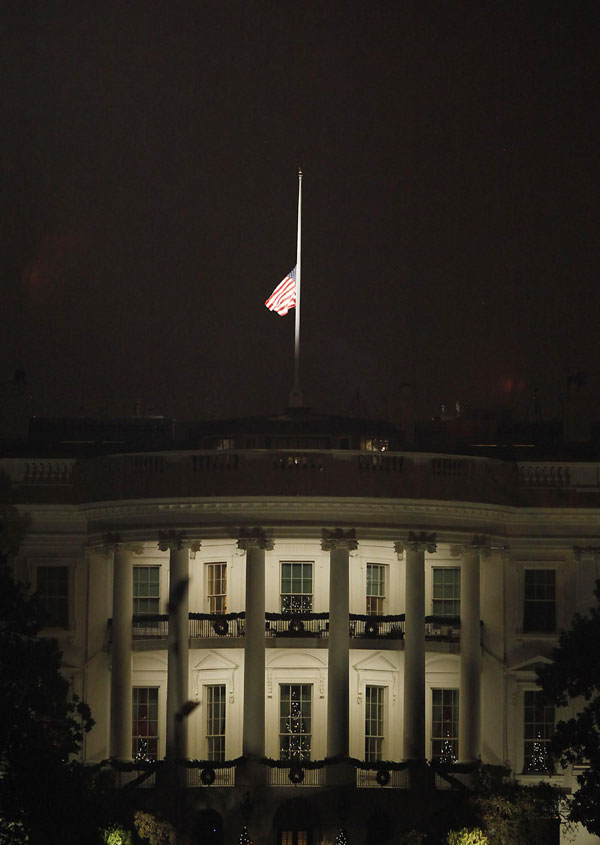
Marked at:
<point>149,167</point>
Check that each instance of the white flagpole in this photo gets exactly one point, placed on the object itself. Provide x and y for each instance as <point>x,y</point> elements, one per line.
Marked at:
<point>296,394</point>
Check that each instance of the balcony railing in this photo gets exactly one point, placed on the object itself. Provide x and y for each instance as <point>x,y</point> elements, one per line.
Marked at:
<point>297,625</point>
<point>211,776</point>
<point>383,778</point>
<point>377,627</point>
<point>442,628</point>
<point>155,626</point>
<point>295,776</point>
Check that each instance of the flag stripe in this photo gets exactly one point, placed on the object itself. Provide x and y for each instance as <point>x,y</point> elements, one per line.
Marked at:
<point>284,296</point>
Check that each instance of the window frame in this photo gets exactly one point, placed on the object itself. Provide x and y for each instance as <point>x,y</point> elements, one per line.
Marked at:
<point>546,770</point>
<point>381,599</point>
<point>302,753</point>
<point>454,598</point>
<point>155,688</point>
<point>530,627</point>
<point>380,738</point>
<point>54,565</point>
<point>220,755</point>
<point>293,563</point>
<point>209,565</point>
<point>454,737</point>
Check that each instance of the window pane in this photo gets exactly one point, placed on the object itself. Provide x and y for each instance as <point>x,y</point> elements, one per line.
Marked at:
<point>53,592</point>
<point>217,587</point>
<point>374,715</point>
<point>540,600</point>
<point>538,727</point>
<point>446,591</point>
<point>375,588</point>
<point>296,587</point>
<point>215,721</point>
<point>444,725</point>
<point>145,723</point>
<point>295,721</point>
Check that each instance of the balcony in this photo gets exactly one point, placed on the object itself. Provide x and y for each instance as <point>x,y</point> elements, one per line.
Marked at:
<point>210,775</point>
<point>377,627</point>
<point>294,775</point>
<point>380,778</point>
<point>312,625</point>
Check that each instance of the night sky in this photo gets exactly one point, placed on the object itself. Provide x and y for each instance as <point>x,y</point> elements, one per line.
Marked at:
<point>450,229</point>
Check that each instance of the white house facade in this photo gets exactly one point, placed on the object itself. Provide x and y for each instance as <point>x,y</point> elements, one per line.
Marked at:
<point>315,639</point>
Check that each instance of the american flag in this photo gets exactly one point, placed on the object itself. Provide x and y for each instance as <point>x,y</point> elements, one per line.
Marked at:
<point>284,296</point>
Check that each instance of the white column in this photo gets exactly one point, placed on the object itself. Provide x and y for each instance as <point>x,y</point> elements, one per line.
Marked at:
<point>122,617</point>
<point>414,645</point>
<point>178,644</point>
<point>254,543</point>
<point>338,544</point>
<point>469,702</point>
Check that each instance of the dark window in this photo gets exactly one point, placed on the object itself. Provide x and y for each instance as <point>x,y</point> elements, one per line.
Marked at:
<point>540,600</point>
<point>53,591</point>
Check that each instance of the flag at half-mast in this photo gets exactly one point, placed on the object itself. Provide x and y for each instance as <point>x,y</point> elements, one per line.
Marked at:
<point>284,296</point>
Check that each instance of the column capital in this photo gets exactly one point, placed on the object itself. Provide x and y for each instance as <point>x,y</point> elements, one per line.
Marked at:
<point>113,542</point>
<point>421,542</point>
<point>254,538</point>
<point>338,539</point>
<point>173,540</point>
<point>590,552</point>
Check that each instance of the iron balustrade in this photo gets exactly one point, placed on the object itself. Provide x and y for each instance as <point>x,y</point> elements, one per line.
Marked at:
<point>377,627</point>
<point>155,626</point>
<point>280,776</point>
<point>224,776</point>
<point>396,778</point>
<point>314,625</point>
<point>442,628</point>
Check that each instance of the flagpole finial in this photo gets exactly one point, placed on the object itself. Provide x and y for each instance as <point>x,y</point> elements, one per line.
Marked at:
<point>300,172</point>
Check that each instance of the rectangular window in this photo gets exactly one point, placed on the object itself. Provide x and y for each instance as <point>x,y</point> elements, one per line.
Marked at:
<point>296,587</point>
<point>374,711</point>
<point>215,722</point>
<point>538,727</point>
<point>444,725</point>
<point>145,723</point>
<point>53,592</point>
<point>446,591</point>
<point>216,587</point>
<point>375,588</point>
<point>540,600</point>
<point>295,721</point>
<point>146,593</point>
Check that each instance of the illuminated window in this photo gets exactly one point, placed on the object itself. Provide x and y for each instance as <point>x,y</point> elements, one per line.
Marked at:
<point>215,722</point>
<point>53,592</point>
<point>145,723</point>
<point>444,725</point>
<point>375,588</point>
<point>296,587</point>
<point>540,600</point>
<point>374,713</point>
<point>216,587</point>
<point>538,727</point>
<point>295,721</point>
<point>446,591</point>
<point>294,837</point>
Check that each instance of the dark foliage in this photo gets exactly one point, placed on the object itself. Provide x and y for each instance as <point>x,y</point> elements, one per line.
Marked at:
<point>574,675</point>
